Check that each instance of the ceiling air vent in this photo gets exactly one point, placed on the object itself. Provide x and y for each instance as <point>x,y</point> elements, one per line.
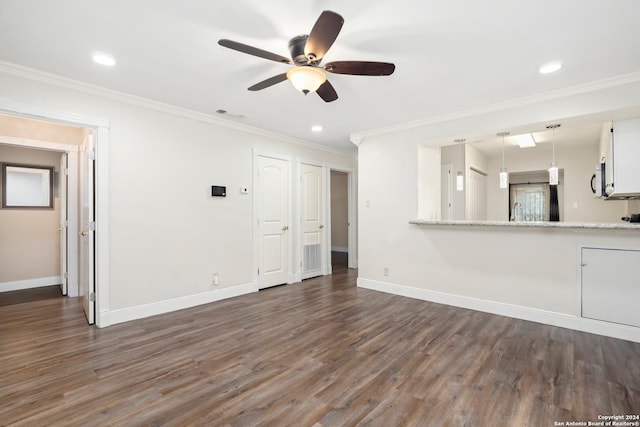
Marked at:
<point>228,114</point>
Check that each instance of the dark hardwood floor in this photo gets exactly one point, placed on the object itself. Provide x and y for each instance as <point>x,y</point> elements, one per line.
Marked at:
<point>318,353</point>
<point>30,295</point>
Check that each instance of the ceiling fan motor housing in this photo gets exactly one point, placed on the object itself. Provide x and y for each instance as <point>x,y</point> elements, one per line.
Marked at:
<point>296,48</point>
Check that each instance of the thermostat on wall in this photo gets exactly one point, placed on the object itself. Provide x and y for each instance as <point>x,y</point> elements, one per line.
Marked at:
<point>218,191</point>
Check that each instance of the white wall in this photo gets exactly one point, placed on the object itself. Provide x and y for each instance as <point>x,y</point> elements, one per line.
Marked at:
<point>29,239</point>
<point>476,160</point>
<point>532,269</point>
<point>167,234</point>
<point>455,156</point>
<point>429,197</point>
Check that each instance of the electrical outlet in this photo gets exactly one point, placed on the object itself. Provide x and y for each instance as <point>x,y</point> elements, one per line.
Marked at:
<point>215,279</point>
<point>386,271</point>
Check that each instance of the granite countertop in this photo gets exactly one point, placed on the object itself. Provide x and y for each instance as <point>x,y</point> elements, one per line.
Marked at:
<point>543,224</point>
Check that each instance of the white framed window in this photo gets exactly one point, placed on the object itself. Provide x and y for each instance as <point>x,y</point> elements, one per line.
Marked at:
<point>529,202</point>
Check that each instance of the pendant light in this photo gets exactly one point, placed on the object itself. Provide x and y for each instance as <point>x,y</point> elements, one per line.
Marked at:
<point>504,175</point>
<point>553,170</point>
<point>460,182</point>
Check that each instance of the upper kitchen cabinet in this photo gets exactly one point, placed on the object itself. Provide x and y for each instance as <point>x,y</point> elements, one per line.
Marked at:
<point>621,151</point>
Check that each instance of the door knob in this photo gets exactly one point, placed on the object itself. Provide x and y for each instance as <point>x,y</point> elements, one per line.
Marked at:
<point>285,228</point>
<point>321,226</point>
<point>83,233</point>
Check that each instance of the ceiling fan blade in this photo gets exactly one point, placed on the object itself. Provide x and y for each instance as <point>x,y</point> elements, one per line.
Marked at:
<point>269,82</point>
<point>244,48</point>
<point>323,34</point>
<point>327,92</point>
<point>361,68</point>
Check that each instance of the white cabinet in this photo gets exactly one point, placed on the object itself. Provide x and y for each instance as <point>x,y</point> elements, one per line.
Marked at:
<point>622,160</point>
<point>611,285</point>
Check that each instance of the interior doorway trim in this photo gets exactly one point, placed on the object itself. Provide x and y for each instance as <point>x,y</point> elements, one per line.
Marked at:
<point>72,214</point>
<point>101,126</point>
<point>352,215</point>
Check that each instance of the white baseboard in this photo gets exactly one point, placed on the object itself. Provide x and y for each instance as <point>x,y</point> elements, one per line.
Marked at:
<point>30,283</point>
<point>339,249</point>
<point>562,320</point>
<point>132,313</point>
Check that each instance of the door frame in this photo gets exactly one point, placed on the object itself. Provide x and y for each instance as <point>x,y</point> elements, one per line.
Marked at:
<point>352,215</point>
<point>63,192</point>
<point>101,195</point>
<point>255,216</point>
<point>449,191</point>
<point>71,229</point>
<point>352,239</point>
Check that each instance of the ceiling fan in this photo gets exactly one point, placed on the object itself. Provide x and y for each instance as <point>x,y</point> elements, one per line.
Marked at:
<point>307,52</point>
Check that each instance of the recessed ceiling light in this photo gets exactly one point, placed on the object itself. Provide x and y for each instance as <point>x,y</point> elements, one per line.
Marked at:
<point>316,128</point>
<point>104,59</point>
<point>550,67</point>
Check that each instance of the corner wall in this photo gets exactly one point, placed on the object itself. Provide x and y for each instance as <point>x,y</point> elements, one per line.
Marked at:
<point>533,271</point>
<point>167,234</point>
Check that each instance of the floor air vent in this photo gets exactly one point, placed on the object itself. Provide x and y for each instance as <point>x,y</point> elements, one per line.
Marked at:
<point>312,257</point>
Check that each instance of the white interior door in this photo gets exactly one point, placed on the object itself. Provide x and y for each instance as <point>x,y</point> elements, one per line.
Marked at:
<point>445,191</point>
<point>477,196</point>
<point>63,227</point>
<point>312,213</point>
<point>87,228</point>
<point>273,221</point>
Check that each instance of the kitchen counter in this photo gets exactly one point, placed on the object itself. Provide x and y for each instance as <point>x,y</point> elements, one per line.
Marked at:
<point>522,224</point>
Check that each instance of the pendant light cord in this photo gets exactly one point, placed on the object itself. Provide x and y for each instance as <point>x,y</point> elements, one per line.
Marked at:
<point>553,144</point>
<point>502,134</point>
<point>553,140</point>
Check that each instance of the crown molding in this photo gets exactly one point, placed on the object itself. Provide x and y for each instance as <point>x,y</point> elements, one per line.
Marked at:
<point>358,137</point>
<point>67,83</point>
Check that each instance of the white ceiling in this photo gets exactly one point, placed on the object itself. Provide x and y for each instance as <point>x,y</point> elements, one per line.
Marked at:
<point>450,55</point>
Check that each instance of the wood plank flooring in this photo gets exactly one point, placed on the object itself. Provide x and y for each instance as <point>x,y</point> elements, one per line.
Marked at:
<point>318,353</point>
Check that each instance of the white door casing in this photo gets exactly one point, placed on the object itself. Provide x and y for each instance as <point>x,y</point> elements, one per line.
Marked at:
<point>273,220</point>
<point>351,217</point>
<point>87,228</point>
<point>313,230</point>
<point>63,227</point>
<point>445,191</point>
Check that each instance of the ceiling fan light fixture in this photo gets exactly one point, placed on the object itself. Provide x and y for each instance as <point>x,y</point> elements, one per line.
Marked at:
<point>306,79</point>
